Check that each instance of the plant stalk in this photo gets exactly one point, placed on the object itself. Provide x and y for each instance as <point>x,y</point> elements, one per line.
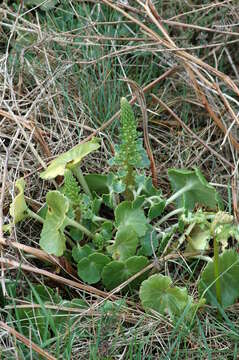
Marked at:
<point>169,215</point>
<point>80,177</point>
<point>35,216</point>
<point>179,193</point>
<point>80,227</point>
<point>216,270</point>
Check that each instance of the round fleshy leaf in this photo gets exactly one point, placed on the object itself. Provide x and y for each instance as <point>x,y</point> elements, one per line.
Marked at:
<point>158,294</point>
<point>126,215</point>
<point>52,239</point>
<point>201,192</point>
<point>116,272</point>
<point>229,275</point>
<point>18,207</point>
<point>80,252</point>
<point>90,268</point>
<point>69,159</point>
<point>125,244</point>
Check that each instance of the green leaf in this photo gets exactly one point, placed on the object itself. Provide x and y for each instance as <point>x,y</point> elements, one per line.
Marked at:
<point>126,215</point>
<point>97,183</point>
<point>116,272</point>
<point>198,239</point>
<point>229,275</point>
<point>146,243</point>
<point>125,243</point>
<point>75,234</point>
<point>138,202</point>
<point>90,268</point>
<point>156,209</point>
<point>18,207</point>
<point>42,211</point>
<point>52,239</point>
<point>69,159</point>
<point>157,293</point>
<point>201,192</point>
<point>80,252</point>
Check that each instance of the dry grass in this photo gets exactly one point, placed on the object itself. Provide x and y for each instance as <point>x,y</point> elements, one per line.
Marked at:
<point>61,84</point>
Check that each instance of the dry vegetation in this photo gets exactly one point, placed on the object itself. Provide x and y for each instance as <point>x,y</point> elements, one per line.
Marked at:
<point>62,73</point>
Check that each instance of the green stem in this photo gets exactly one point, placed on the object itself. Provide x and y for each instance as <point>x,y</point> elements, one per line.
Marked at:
<point>169,215</point>
<point>80,177</point>
<point>35,216</point>
<point>179,193</point>
<point>99,218</point>
<point>216,270</point>
<point>80,227</point>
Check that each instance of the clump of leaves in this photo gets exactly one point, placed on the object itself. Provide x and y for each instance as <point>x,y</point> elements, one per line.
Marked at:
<point>111,224</point>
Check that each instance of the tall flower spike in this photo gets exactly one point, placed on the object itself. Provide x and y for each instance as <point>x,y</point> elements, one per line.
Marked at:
<point>130,154</point>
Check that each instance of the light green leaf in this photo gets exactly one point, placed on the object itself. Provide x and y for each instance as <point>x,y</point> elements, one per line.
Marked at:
<point>229,275</point>
<point>52,239</point>
<point>18,207</point>
<point>90,268</point>
<point>116,272</point>
<point>198,239</point>
<point>201,192</point>
<point>157,293</point>
<point>125,244</point>
<point>126,215</point>
<point>69,159</point>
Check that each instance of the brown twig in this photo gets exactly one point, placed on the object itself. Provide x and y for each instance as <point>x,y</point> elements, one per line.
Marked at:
<point>181,54</point>
<point>30,126</point>
<point>74,284</point>
<point>184,126</point>
<point>4,180</point>
<point>201,96</point>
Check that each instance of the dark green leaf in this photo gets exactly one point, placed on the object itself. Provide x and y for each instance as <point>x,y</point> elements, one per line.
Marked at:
<point>156,209</point>
<point>229,275</point>
<point>80,252</point>
<point>116,272</point>
<point>97,183</point>
<point>90,268</point>
<point>200,192</point>
<point>147,242</point>
<point>125,243</point>
<point>157,293</point>
<point>126,215</point>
